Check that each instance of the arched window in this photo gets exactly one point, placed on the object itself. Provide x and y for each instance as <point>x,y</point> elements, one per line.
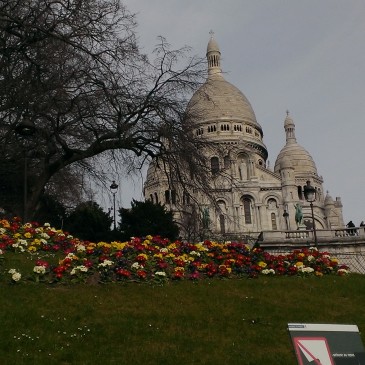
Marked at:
<point>214,165</point>
<point>273,222</point>
<point>247,210</point>
<point>222,224</point>
<point>167,196</point>
<point>156,198</point>
<point>170,196</point>
<point>300,192</point>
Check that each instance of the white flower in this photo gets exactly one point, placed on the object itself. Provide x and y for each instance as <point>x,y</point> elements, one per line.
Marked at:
<point>268,271</point>
<point>342,271</point>
<point>46,225</point>
<point>12,271</point>
<point>82,268</point>
<point>305,269</point>
<point>194,253</point>
<point>16,276</point>
<point>80,248</point>
<point>2,230</point>
<point>310,258</point>
<point>39,270</point>
<point>1,252</point>
<point>45,236</point>
<point>136,266</point>
<point>106,263</point>
<point>164,250</point>
<point>160,273</point>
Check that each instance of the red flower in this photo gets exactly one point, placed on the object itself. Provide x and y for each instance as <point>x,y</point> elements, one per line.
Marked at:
<point>42,263</point>
<point>124,273</point>
<point>179,274</point>
<point>142,274</point>
<point>162,264</point>
<point>88,263</point>
<point>119,254</point>
<point>194,276</point>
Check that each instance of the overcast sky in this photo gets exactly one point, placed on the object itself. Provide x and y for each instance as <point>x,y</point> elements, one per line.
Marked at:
<point>307,57</point>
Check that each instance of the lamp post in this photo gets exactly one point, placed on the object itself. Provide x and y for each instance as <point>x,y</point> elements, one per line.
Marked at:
<point>310,197</point>
<point>113,189</point>
<point>25,129</point>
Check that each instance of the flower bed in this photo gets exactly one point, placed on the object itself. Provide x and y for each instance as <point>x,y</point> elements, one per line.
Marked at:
<point>150,259</point>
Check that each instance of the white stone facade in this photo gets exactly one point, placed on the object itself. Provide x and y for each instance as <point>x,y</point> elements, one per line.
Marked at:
<point>249,197</point>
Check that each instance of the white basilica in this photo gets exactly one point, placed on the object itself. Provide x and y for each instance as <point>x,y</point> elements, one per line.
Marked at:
<point>249,196</point>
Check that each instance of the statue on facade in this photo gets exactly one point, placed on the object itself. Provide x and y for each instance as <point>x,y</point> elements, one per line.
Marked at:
<point>298,214</point>
<point>205,218</point>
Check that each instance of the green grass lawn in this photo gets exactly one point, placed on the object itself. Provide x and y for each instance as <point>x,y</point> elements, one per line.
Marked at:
<point>206,322</point>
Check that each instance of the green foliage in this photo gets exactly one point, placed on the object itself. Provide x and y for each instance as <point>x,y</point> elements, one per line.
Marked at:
<point>88,221</point>
<point>51,211</point>
<point>147,218</point>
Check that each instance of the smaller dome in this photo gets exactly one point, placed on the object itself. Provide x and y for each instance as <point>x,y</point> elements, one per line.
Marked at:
<point>299,157</point>
<point>328,199</point>
<point>212,46</point>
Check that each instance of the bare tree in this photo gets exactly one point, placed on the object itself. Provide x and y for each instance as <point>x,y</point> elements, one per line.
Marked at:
<point>74,69</point>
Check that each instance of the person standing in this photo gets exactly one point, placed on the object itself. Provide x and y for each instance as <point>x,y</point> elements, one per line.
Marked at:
<point>351,230</point>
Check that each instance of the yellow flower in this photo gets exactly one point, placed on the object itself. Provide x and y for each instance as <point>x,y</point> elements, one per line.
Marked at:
<point>171,247</point>
<point>32,248</point>
<point>27,235</point>
<point>318,273</point>
<point>299,263</point>
<point>119,245</point>
<point>17,235</point>
<point>143,255</point>
<point>301,254</point>
<point>5,223</point>
<point>262,264</point>
<point>334,260</point>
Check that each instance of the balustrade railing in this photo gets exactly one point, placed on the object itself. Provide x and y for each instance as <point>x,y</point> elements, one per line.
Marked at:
<point>323,235</point>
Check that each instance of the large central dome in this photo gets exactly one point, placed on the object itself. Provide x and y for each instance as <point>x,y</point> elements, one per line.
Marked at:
<point>217,98</point>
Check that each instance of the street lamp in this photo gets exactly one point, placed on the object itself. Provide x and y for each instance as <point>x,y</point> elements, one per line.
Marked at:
<point>25,129</point>
<point>113,189</point>
<point>310,197</point>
